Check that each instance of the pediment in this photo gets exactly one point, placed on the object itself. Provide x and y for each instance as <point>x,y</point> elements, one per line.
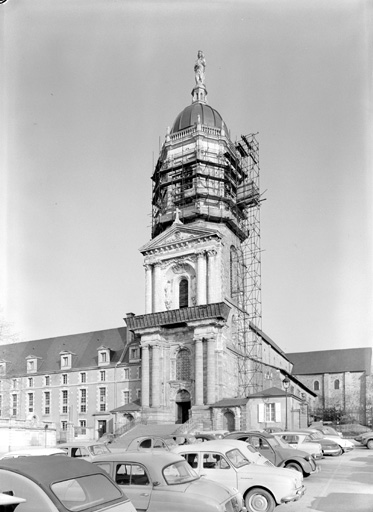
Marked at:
<point>179,234</point>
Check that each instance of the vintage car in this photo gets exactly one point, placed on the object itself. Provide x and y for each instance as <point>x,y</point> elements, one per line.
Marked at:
<point>366,439</point>
<point>301,441</point>
<point>32,451</point>
<point>328,447</point>
<point>147,442</point>
<point>84,449</point>
<point>345,444</point>
<point>64,487</point>
<point>236,464</point>
<point>161,481</point>
<point>279,453</point>
<point>327,430</point>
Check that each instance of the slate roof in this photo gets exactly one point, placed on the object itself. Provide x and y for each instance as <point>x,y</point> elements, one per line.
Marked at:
<point>332,361</point>
<point>84,348</point>
<point>230,402</point>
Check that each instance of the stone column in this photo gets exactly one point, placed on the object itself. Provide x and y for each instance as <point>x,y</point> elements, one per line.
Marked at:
<point>198,383</point>
<point>210,370</point>
<point>201,277</point>
<point>148,289</point>
<point>211,277</point>
<point>145,376</point>
<point>156,384</point>
<point>157,290</point>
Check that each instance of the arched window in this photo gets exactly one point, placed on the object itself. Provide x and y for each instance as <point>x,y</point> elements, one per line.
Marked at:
<point>183,365</point>
<point>336,384</point>
<point>316,385</point>
<point>183,294</point>
<point>233,270</point>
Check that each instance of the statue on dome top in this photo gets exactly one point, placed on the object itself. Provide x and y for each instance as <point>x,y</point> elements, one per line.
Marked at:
<point>199,68</point>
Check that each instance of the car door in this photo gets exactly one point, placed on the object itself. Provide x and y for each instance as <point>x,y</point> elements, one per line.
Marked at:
<point>263,447</point>
<point>135,483</point>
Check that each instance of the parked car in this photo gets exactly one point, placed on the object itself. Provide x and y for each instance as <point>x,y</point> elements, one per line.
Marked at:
<point>33,451</point>
<point>158,481</point>
<point>84,449</point>
<point>345,444</point>
<point>271,430</point>
<point>326,429</point>
<point>301,441</point>
<point>227,461</point>
<point>64,487</point>
<point>366,439</point>
<point>203,436</point>
<point>145,443</point>
<point>328,447</point>
<point>278,452</point>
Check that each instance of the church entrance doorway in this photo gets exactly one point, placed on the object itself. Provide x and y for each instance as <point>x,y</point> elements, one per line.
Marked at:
<point>228,421</point>
<point>183,406</point>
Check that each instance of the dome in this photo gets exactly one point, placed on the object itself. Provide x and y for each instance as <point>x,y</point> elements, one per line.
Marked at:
<point>208,115</point>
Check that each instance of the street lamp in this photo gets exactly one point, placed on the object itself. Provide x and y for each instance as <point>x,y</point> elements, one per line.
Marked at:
<point>286,384</point>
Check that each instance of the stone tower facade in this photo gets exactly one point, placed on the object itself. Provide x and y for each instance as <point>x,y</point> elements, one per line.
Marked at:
<point>193,283</point>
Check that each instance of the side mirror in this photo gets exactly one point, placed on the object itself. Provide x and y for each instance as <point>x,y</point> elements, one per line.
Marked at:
<point>155,484</point>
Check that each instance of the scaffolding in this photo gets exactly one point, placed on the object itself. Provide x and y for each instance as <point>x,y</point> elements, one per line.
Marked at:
<point>248,341</point>
<point>218,181</point>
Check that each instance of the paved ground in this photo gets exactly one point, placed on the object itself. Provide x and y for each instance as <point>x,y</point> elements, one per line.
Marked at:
<point>344,484</point>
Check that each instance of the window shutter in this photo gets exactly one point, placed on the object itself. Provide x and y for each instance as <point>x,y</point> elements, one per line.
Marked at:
<point>277,412</point>
<point>261,413</point>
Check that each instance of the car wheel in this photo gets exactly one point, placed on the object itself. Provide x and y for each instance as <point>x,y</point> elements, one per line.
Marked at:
<point>259,500</point>
<point>370,444</point>
<point>340,451</point>
<point>294,465</point>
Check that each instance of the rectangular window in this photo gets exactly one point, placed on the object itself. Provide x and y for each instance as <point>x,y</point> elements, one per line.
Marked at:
<point>47,380</point>
<point>65,361</point>
<point>47,402</point>
<point>270,412</point>
<point>14,383</point>
<point>126,397</point>
<point>83,377</point>
<point>103,357</point>
<point>14,405</point>
<point>83,400</point>
<point>64,378</point>
<point>30,399</point>
<point>65,401</point>
<point>30,382</point>
<point>134,353</point>
<point>126,373</point>
<point>102,375</point>
<point>63,425</point>
<point>102,399</point>
<point>83,427</point>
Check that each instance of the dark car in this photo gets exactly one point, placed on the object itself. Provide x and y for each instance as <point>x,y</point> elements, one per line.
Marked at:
<point>278,452</point>
<point>65,485</point>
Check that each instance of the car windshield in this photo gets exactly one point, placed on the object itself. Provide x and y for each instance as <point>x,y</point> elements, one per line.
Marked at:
<point>179,473</point>
<point>316,435</point>
<point>99,449</point>
<point>237,458</point>
<point>85,492</point>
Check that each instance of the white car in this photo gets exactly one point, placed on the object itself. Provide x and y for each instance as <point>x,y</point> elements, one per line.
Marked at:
<point>301,441</point>
<point>345,444</point>
<point>237,465</point>
<point>32,452</point>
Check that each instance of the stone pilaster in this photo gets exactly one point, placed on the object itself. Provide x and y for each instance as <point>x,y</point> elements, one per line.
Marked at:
<point>145,376</point>
<point>158,291</point>
<point>198,372</point>
<point>201,278</point>
<point>212,282</point>
<point>210,370</point>
<point>156,384</point>
<point>148,289</point>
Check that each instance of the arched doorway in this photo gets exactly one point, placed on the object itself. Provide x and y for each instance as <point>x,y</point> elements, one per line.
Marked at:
<point>183,406</point>
<point>228,421</point>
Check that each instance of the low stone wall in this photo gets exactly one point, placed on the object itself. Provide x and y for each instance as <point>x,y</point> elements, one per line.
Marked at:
<point>18,434</point>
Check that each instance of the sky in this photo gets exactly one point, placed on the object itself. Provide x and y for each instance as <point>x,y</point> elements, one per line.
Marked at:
<point>87,92</point>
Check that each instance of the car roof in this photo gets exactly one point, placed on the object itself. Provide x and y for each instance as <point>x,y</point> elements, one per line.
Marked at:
<point>251,433</point>
<point>215,444</point>
<point>33,451</point>
<point>45,470</point>
<point>80,443</point>
<point>163,457</point>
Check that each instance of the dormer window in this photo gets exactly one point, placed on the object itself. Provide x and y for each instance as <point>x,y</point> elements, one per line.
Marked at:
<point>31,364</point>
<point>66,360</point>
<point>2,368</point>
<point>103,356</point>
<point>134,353</point>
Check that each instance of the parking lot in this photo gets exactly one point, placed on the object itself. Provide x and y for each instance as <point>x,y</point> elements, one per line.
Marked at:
<point>344,484</point>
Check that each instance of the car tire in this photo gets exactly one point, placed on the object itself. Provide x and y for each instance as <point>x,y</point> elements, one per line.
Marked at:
<point>259,500</point>
<point>294,465</point>
<point>340,451</point>
<point>370,444</point>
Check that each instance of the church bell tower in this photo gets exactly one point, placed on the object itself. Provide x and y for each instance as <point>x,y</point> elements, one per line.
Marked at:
<point>205,202</point>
